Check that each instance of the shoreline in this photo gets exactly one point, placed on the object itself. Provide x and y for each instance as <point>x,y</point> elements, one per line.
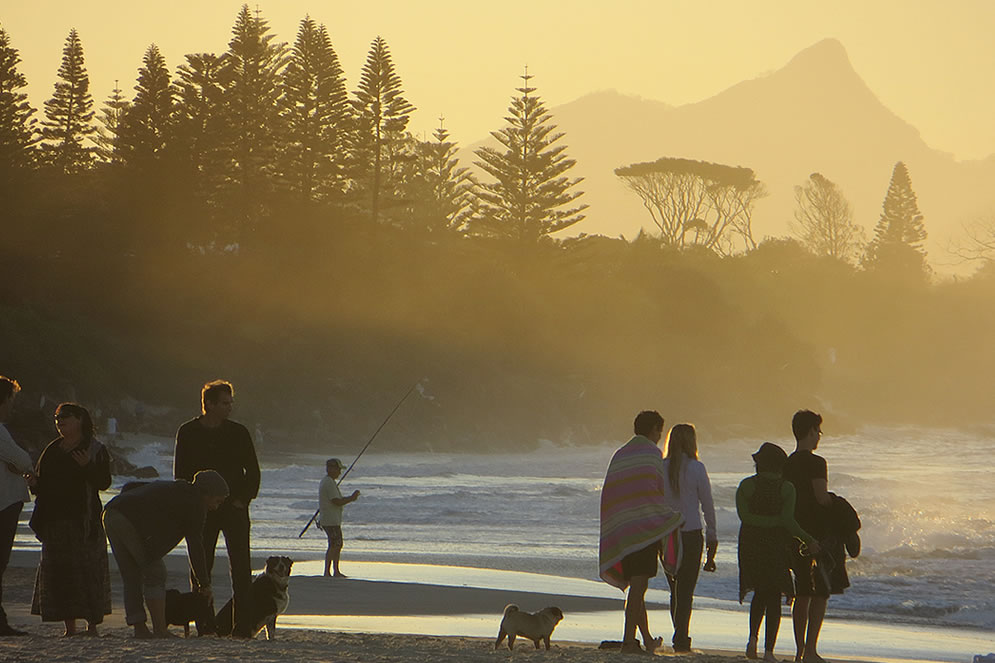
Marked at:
<point>440,616</point>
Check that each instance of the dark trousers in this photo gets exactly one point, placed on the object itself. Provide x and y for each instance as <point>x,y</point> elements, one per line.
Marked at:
<point>8,528</point>
<point>682,587</point>
<point>234,523</point>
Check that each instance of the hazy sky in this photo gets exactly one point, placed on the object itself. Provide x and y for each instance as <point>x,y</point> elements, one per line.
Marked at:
<point>931,62</point>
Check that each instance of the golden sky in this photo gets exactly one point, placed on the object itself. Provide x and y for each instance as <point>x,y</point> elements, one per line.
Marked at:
<point>931,62</point>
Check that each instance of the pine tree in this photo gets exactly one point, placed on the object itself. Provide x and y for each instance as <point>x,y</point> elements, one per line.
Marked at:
<point>148,120</point>
<point>197,150</point>
<point>381,115</point>
<point>900,232</point>
<point>440,188</point>
<point>315,112</point>
<point>250,76</point>
<point>17,127</point>
<point>526,200</point>
<point>110,123</point>
<point>69,113</point>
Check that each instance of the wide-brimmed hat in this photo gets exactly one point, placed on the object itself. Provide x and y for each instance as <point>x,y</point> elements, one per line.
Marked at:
<point>769,454</point>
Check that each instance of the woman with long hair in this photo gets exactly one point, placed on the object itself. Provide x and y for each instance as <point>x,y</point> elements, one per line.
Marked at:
<point>765,503</point>
<point>688,491</point>
<point>73,579</point>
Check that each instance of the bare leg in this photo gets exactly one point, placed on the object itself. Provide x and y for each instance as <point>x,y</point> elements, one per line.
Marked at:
<point>157,610</point>
<point>635,614</point>
<point>799,619</point>
<point>328,560</point>
<point>816,614</point>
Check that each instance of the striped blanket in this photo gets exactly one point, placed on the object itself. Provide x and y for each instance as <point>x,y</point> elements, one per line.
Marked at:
<point>633,513</point>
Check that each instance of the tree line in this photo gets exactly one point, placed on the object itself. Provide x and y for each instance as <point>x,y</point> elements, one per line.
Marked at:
<point>266,125</point>
<point>250,214</point>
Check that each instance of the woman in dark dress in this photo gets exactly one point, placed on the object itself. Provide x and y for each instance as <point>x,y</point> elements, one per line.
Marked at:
<point>765,503</point>
<point>73,580</point>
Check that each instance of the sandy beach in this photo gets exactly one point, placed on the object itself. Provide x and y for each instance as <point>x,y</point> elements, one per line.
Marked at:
<point>362,620</point>
<point>311,596</point>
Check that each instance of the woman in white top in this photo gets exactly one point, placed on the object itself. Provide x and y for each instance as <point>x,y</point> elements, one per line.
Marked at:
<point>688,491</point>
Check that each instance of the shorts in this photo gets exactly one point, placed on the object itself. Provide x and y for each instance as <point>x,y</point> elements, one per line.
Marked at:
<point>642,562</point>
<point>334,534</point>
<point>812,577</point>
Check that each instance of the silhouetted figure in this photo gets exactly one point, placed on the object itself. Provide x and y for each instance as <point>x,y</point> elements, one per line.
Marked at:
<point>143,524</point>
<point>690,493</point>
<point>765,503</point>
<point>213,442</point>
<point>330,503</point>
<point>73,580</point>
<point>636,525</point>
<point>809,474</point>
<point>15,463</point>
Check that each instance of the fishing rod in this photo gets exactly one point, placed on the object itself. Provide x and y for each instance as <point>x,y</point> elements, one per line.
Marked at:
<point>363,450</point>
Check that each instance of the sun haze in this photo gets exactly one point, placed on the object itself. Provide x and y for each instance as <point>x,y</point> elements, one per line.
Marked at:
<point>461,60</point>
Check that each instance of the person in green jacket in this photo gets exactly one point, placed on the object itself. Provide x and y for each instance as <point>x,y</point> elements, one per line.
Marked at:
<point>765,503</point>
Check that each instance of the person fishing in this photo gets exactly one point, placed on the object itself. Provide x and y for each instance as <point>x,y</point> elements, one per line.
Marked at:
<point>330,503</point>
<point>416,385</point>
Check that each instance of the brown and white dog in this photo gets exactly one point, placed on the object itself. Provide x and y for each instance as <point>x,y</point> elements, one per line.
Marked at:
<point>269,597</point>
<point>534,626</point>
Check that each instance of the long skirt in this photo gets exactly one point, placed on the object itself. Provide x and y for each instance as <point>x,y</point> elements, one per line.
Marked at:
<point>73,579</point>
<point>764,560</point>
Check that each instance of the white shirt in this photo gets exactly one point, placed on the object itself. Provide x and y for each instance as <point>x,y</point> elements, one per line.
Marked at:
<point>695,490</point>
<point>331,513</point>
<point>13,488</point>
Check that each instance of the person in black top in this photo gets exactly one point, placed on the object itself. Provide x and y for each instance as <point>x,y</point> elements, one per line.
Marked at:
<point>214,442</point>
<point>808,473</point>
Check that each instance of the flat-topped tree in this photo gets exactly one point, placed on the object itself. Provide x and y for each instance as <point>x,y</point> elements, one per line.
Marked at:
<point>69,113</point>
<point>17,127</point>
<point>697,202</point>
<point>529,199</point>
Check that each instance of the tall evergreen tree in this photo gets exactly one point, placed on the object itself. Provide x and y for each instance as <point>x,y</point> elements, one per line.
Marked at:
<point>899,235</point>
<point>111,119</point>
<point>148,120</point>
<point>251,80</point>
<point>526,200</point>
<point>381,115</point>
<point>440,189</point>
<point>315,112</point>
<point>69,113</point>
<point>17,127</point>
<point>197,146</point>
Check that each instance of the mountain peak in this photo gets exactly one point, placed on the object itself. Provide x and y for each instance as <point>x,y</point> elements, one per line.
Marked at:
<point>826,55</point>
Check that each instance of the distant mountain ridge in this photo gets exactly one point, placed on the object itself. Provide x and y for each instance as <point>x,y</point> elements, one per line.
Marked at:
<point>815,114</point>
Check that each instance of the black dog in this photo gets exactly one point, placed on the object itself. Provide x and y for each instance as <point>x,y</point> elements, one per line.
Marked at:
<point>183,608</point>
<point>269,596</point>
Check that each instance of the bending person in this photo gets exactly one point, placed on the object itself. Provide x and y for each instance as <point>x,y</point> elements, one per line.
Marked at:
<point>690,493</point>
<point>636,525</point>
<point>765,503</point>
<point>145,522</point>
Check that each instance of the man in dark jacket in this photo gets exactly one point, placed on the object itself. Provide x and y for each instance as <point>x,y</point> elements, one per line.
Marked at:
<point>145,522</point>
<point>213,442</point>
